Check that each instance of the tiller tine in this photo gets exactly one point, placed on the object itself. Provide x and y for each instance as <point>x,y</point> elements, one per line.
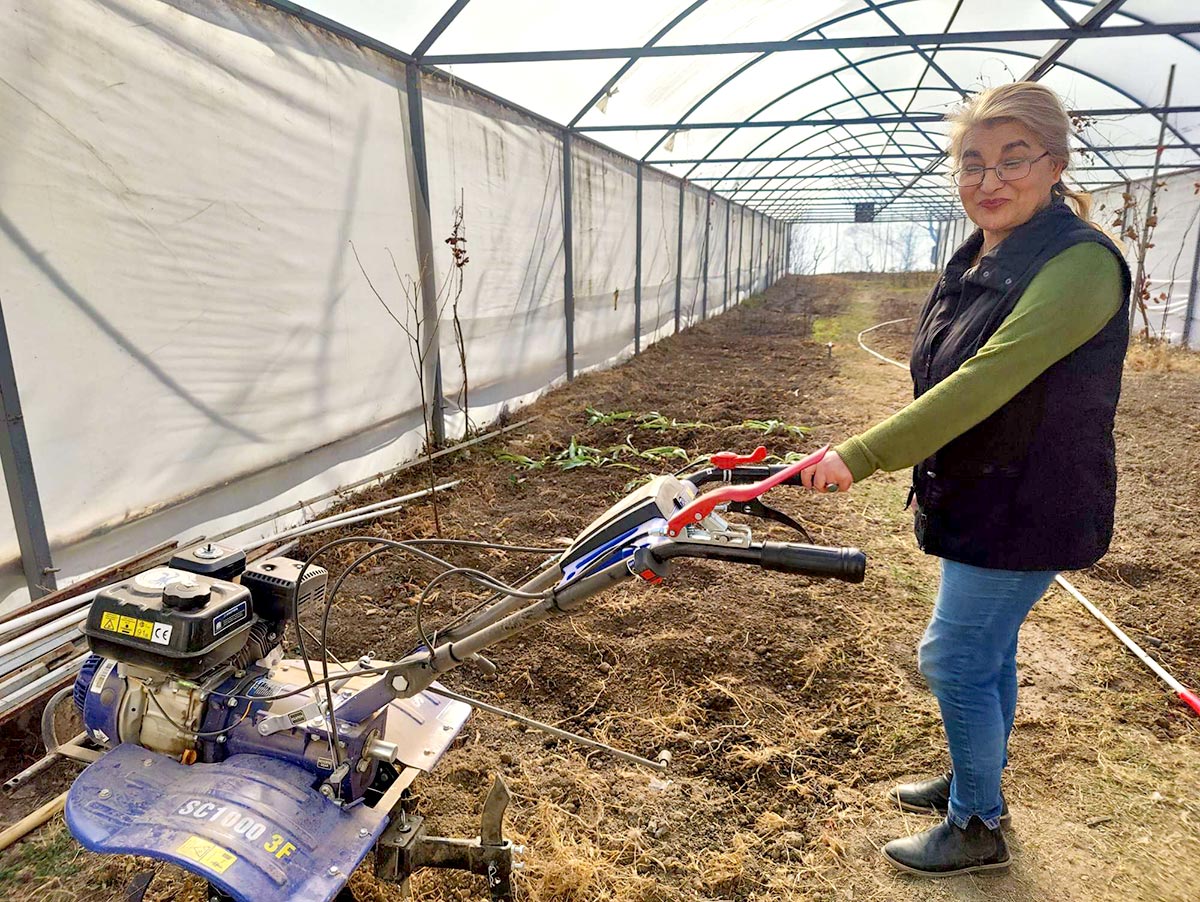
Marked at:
<point>405,848</point>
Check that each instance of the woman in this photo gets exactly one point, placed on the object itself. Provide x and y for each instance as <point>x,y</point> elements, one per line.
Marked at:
<point>1016,369</point>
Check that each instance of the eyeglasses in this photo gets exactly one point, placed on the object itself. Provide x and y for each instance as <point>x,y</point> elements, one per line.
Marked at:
<point>1008,171</point>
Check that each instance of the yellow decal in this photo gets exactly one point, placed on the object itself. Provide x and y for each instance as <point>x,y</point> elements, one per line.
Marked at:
<point>203,852</point>
<point>144,629</point>
<point>109,622</point>
<point>279,847</point>
<point>126,626</point>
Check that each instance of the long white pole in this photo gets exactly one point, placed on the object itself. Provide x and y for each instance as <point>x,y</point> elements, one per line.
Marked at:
<point>1186,695</point>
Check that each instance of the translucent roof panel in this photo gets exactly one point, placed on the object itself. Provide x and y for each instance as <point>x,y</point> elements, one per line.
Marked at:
<point>795,106</point>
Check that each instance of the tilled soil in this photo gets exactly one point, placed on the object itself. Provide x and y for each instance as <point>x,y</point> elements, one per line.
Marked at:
<point>788,705</point>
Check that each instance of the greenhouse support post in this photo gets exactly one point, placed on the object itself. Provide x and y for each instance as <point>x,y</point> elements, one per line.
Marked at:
<point>1146,227</point>
<point>725,271</point>
<point>637,271</point>
<point>704,289</point>
<point>679,257</point>
<point>741,254</point>
<point>1193,292</point>
<point>18,476</point>
<point>568,261</point>
<point>764,266</point>
<point>764,260</point>
<point>772,239</point>
<point>754,254</point>
<point>768,247</point>
<point>429,354</point>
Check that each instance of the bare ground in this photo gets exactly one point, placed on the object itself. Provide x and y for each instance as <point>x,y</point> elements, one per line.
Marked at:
<point>789,705</point>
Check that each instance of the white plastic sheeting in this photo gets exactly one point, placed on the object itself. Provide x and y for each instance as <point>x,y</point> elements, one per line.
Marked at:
<point>505,170</point>
<point>208,263</point>
<point>660,225</point>
<point>605,246</point>
<point>1174,252</point>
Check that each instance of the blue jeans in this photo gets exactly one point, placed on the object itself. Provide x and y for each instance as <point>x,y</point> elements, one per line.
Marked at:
<point>969,657</point>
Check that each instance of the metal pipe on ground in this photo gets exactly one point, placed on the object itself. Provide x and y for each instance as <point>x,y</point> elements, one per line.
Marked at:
<point>40,765</point>
<point>48,629</point>
<point>55,677</point>
<point>378,477</point>
<point>25,620</point>
<point>22,657</point>
<point>347,518</point>
<point>112,573</point>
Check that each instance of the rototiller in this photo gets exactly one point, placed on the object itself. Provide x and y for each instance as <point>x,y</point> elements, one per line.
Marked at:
<point>271,778</point>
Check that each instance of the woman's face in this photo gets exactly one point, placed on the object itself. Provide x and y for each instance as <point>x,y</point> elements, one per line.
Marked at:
<point>995,205</point>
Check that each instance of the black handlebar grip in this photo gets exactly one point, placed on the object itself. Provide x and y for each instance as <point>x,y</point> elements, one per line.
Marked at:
<point>846,564</point>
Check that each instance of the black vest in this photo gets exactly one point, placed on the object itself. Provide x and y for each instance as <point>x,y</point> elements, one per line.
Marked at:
<point>1033,486</point>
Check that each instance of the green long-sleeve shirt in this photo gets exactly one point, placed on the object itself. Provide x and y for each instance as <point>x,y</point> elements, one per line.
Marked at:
<point>1068,302</point>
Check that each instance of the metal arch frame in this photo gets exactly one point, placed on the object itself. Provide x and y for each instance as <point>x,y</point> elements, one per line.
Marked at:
<point>1066,17</point>
<point>1102,13</point>
<point>1096,15</point>
<point>930,65</point>
<point>903,175</point>
<point>1123,148</point>
<point>1102,81</point>
<point>849,135</point>
<point>789,92</point>
<point>815,80</point>
<point>1000,36</point>
<point>608,85</point>
<point>750,63</point>
<point>859,138</point>
<point>1090,22</point>
<point>858,101</point>
<point>436,32</point>
<point>914,119</point>
<point>1177,30</point>
<point>1067,66</point>
<point>874,59</point>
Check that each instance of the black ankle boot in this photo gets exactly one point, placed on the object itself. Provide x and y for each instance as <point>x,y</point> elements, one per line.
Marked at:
<point>947,850</point>
<point>933,797</point>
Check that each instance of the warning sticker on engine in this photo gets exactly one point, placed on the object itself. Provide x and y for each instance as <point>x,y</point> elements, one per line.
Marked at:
<point>159,633</point>
<point>208,854</point>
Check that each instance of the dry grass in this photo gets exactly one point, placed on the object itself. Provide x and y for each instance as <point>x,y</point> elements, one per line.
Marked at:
<point>1150,355</point>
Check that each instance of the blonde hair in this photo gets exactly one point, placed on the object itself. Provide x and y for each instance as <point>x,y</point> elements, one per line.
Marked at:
<point>1038,109</point>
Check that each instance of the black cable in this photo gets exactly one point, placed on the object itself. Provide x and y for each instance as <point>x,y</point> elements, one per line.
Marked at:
<point>496,596</point>
<point>474,575</point>
<point>365,671</point>
<point>691,464</point>
<point>379,546</point>
<point>519,549</point>
<point>330,718</point>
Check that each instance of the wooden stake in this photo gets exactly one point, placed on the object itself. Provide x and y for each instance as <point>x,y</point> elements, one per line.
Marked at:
<point>32,821</point>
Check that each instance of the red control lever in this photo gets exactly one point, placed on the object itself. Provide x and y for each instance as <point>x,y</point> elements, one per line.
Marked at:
<point>703,506</point>
<point>727,460</point>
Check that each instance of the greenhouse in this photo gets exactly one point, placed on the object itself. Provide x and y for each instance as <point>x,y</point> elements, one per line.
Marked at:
<point>472,273</point>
